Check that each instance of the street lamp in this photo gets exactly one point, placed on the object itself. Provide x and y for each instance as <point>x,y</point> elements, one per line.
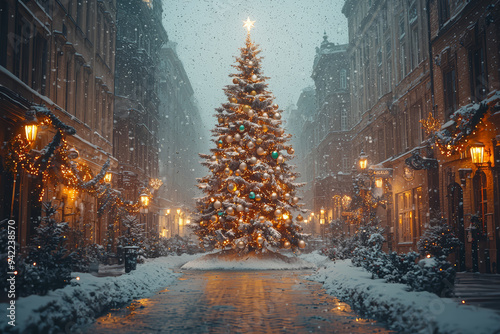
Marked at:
<point>31,129</point>
<point>477,153</point>
<point>144,199</point>
<point>363,160</point>
<point>378,182</point>
<point>107,177</point>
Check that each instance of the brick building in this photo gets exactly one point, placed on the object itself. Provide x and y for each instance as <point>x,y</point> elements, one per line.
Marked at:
<point>140,37</point>
<point>59,54</point>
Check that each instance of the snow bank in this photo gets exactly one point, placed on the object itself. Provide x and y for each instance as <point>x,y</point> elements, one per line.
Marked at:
<point>231,260</point>
<point>402,310</point>
<point>89,297</point>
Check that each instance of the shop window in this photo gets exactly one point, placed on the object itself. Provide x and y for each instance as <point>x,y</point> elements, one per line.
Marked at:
<point>405,217</point>
<point>480,196</point>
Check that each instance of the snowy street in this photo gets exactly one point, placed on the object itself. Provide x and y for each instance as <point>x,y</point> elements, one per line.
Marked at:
<point>237,302</point>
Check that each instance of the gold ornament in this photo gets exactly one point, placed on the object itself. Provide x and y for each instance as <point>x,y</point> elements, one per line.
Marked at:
<point>250,113</point>
<point>262,219</point>
<point>295,200</point>
<point>241,221</point>
<point>233,100</point>
<point>235,81</point>
<point>231,187</point>
<point>253,93</point>
<point>246,108</point>
<point>229,139</point>
<point>252,161</point>
<point>300,218</point>
<point>274,196</point>
<point>277,213</point>
<point>277,116</point>
<point>275,106</point>
<point>266,176</point>
<point>237,172</point>
<point>217,204</point>
<point>260,151</point>
<point>258,141</point>
<point>227,171</point>
<point>213,158</point>
<point>258,197</point>
<point>291,151</point>
<point>280,159</point>
<point>302,244</point>
<point>221,120</point>
<point>264,115</point>
<point>240,208</point>
<point>230,210</point>
<point>237,137</point>
<point>287,196</point>
<point>264,128</point>
<point>240,244</point>
<point>250,145</point>
<point>260,240</point>
<point>287,245</point>
<point>214,218</point>
<point>254,77</point>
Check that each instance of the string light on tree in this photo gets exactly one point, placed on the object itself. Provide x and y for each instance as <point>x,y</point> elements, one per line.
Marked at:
<point>250,178</point>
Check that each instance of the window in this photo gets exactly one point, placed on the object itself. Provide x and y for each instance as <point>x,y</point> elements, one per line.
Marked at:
<point>40,55</point>
<point>413,12</point>
<point>343,120</point>
<point>337,207</point>
<point>380,145</point>
<point>343,79</point>
<point>402,31</point>
<point>444,11</point>
<point>415,47</point>
<point>478,74</point>
<point>402,60</point>
<point>79,12</point>
<point>480,196</point>
<point>404,131</point>
<point>405,217</point>
<point>416,128</point>
<point>450,92</point>
<point>345,164</point>
<point>4,20</point>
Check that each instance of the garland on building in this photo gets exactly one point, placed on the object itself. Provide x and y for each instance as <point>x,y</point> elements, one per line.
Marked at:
<point>452,137</point>
<point>54,164</point>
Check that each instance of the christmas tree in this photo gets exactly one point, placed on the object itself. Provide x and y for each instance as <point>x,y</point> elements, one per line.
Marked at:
<point>250,192</point>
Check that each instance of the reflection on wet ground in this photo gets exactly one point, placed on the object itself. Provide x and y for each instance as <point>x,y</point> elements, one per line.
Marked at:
<point>238,302</point>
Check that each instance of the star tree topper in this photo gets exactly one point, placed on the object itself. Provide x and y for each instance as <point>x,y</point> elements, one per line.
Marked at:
<point>248,24</point>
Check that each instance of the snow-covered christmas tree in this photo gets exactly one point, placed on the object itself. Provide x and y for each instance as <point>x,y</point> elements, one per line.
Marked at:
<point>250,193</point>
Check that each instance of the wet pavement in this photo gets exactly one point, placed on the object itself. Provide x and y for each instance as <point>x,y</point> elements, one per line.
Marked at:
<point>238,302</point>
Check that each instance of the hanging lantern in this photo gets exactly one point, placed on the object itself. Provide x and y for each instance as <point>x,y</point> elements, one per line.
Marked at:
<point>31,129</point>
<point>378,182</point>
<point>363,160</point>
<point>144,199</point>
<point>107,177</point>
<point>477,153</point>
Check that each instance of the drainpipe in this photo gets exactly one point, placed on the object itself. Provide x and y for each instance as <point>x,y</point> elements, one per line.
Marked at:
<point>431,59</point>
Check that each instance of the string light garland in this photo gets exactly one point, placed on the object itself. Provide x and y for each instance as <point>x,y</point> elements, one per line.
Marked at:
<point>453,137</point>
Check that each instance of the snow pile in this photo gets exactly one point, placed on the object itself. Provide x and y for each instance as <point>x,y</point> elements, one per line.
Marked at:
<point>392,303</point>
<point>232,260</point>
<point>90,296</point>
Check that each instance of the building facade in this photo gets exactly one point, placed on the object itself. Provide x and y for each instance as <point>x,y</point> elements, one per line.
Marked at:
<point>140,37</point>
<point>181,133</point>
<point>59,54</point>
<point>413,61</point>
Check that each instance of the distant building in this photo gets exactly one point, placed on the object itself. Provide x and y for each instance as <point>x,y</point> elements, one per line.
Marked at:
<point>180,130</point>
<point>60,54</point>
<point>140,38</point>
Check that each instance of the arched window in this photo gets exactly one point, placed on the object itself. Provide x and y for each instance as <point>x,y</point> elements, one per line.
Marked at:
<point>480,196</point>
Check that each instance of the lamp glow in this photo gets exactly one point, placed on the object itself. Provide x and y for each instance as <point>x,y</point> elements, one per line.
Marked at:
<point>144,199</point>
<point>31,131</point>
<point>107,177</point>
<point>378,182</point>
<point>363,160</point>
<point>477,153</point>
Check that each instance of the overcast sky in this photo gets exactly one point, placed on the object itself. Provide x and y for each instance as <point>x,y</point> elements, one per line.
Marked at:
<point>210,33</point>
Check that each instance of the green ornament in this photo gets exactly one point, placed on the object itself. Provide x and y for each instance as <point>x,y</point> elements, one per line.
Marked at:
<point>242,127</point>
<point>275,155</point>
<point>251,195</point>
<point>220,213</point>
